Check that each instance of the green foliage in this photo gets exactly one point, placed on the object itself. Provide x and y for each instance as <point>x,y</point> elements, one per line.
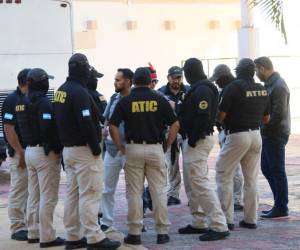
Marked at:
<point>273,10</point>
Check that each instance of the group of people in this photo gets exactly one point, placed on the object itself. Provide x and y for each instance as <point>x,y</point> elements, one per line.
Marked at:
<point>142,131</point>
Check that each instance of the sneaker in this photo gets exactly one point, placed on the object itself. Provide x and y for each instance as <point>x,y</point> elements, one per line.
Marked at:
<point>213,235</point>
<point>163,238</point>
<point>57,242</point>
<point>238,207</point>
<point>33,241</point>
<point>82,243</point>
<point>230,226</point>
<point>173,201</point>
<point>144,229</point>
<point>20,235</point>
<point>104,228</point>
<point>106,244</point>
<point>133,239</point>
<point>247,225</point>
<point>275,214</point>
<point>192,230</point>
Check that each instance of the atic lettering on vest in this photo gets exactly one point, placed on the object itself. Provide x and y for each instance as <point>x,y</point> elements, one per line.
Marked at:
<point>256,93</point>
<point>20,108</point>
<point>143,106</point>
<point>60,96</point>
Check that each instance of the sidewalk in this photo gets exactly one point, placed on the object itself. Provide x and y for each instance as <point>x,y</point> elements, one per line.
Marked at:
<point>276,234</point>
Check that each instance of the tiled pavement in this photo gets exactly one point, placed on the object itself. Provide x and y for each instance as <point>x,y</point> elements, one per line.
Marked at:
<point>276,234</point>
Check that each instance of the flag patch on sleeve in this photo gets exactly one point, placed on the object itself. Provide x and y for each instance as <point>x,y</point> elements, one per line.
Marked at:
<point>85,113</point>
<point>8,116</point>
<point>47,116</point>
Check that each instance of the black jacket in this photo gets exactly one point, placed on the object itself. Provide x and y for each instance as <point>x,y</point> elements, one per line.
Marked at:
<point>280,121</point>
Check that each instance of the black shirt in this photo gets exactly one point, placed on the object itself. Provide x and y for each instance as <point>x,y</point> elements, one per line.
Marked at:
<point>77,117</point>
<point>178,98</point>
<point>8,114</point>
<point>199,110</point>
<point>35,116</point>
<point>100,102</point>
<point>245,103</point>
<point>145,114</point>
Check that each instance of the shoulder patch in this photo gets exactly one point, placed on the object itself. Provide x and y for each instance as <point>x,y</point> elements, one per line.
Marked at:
<point>8,116</point>
<point>47,116</point>
<point>102,98</point>
<point>85,113</point>
<point>203,105</point>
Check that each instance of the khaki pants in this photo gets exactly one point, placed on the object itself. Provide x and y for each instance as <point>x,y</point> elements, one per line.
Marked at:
<point>243,147</point>
<point>174,176</point>
<point>238,179</point>
<point>204,202</point>
<point>84,184</point>
<point>146,160</point>
<point>18,194</point>
<point>43,185</point>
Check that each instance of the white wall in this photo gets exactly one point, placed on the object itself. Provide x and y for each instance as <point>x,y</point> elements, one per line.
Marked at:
<point>119,47</point>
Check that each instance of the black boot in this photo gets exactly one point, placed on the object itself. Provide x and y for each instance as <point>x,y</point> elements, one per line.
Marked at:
<point>82,243</point>
<point>247,225</point>
<point>163,238</point>
<point>106,244</point>
<point>20,235</point>
<point>213,235</point>
<point>57,242</point>
<point>133,239</point>
<point>173,201</point>
<point>192,230</point>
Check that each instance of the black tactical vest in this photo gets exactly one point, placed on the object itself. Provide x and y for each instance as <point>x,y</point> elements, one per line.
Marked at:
<point>248,112</point>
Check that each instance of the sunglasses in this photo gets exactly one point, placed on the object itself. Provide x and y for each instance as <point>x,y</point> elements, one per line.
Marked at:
<point>154,81</point>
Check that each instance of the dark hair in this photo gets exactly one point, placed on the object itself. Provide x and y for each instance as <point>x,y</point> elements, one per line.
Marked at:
<point>127,73</point>
<point>264,62</point>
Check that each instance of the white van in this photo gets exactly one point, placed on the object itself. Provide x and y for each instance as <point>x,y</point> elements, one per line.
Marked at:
<point>35,33</point>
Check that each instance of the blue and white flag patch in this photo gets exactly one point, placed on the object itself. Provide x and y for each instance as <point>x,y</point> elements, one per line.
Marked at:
<point>85,113</point>
<point>8,116</point>
<point>47,116</point>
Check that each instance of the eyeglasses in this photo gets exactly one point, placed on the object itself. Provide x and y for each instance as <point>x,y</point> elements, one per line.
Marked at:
<point>154,81</point>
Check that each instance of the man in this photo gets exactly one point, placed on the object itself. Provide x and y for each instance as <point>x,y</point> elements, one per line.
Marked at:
<point>275,136</point>
<point>16,160</point>
<point>145,114</point>
<point>222,77</point>
<point>198,119</point>
<point>35,118</point>
<point>114,160</point>
<point>243,108</point>
<point>154,79</point>
<point>175,91</point>
<point>98,98</point>
<point>79,131</point>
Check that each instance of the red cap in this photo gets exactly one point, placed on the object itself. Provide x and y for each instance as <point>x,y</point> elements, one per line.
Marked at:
<point>153,72</point>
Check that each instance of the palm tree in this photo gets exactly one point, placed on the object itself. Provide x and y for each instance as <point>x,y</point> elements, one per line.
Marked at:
<point>274,13</point>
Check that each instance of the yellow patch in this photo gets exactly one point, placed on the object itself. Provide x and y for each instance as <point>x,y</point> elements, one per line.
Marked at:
<point>203,105</point>
<point>102,98</point>
<point>144,106</point>
<point>20,108</point>
<point>60,96</point>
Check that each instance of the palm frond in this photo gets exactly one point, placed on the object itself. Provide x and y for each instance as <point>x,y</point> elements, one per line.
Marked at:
<point>273,10</point>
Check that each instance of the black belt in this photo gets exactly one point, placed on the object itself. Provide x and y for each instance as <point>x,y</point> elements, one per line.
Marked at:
<point>36,145</point>
<point>141,142</point>
<point>238,130</point>
<point>74,144</point>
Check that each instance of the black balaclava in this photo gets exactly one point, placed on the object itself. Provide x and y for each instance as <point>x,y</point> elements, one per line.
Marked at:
<point>193,71</point>
<point>223,81</point>
<point>245,69</point>
<point>38,83</point>
<point>92,83</point>
<point>79,68</point>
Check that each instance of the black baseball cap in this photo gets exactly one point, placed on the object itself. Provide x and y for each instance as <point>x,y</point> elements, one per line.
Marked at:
<point>142,76</point>
<point>245,64</point>
<point>220,70</point>
<point>95,73</point>
<point>175,71</point>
